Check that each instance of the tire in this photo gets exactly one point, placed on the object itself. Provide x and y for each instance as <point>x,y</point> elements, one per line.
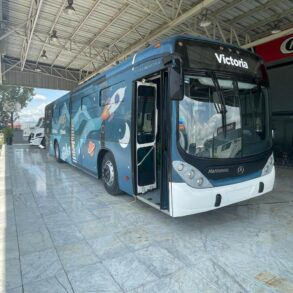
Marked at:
<point>110,175</point>
<point>43,142</point>
<point>57,152</point>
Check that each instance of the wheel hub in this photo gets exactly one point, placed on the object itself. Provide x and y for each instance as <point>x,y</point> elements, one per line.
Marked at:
<point>108,173</point>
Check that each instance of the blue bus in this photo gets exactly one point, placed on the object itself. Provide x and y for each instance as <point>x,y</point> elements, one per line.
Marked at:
<point>183,125</point>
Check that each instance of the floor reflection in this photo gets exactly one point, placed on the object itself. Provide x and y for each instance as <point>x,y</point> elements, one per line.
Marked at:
<point>61,232</point>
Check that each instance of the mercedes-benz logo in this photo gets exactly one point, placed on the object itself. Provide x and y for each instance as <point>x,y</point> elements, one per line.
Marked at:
<point>240,170</point>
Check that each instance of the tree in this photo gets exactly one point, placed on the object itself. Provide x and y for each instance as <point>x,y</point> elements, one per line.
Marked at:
<point>12,100</point>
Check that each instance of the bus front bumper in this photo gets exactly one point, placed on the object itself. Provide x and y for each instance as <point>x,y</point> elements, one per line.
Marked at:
<point>185,200</point>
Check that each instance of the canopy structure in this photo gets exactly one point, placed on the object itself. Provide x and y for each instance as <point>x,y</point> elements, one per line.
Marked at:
<point>59,44</point>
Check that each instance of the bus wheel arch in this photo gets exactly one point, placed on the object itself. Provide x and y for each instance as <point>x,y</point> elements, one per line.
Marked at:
<point>101,155</point>
<point>107,170</point>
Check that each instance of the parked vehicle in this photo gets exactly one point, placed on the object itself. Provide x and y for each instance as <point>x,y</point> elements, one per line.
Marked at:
<point>26,132</point>
<point>182,125</point>
<point>37,135</point>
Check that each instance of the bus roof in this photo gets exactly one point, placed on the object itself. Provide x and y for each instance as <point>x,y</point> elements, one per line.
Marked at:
<point>161,48</point>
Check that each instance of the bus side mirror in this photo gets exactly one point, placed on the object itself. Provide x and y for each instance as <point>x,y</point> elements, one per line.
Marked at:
<point>176,89</point>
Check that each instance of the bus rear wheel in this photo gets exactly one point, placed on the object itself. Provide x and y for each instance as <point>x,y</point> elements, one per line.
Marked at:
<point>110,175</point>
<point>57,152</point>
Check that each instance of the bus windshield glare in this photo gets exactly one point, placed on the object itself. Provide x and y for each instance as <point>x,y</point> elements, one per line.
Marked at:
<point>223,118</point>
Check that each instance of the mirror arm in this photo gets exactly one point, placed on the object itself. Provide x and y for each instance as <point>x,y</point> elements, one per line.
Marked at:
<point>176,83</point>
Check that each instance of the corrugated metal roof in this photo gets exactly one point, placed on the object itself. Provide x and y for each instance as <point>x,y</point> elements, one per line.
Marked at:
<point>113,26</point>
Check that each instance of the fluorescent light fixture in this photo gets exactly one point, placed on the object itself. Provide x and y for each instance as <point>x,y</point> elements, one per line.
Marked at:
<point>205,22</point>
<point>44,55</point>
<point>276,27</point>
<point>54,37</point>
<point>69,9</point>
<point>275,30</point>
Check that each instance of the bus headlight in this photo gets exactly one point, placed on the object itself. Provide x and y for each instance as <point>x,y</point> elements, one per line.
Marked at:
<point>180,167</point>
<point>268,166</point>
<point>192,176</point>
<point>199,181</point>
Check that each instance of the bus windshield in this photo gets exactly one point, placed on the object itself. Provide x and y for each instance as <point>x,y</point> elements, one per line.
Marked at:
<point>223,118</point>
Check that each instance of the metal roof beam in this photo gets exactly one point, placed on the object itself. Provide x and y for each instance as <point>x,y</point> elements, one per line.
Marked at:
<point>13,30</point>
<point>150,10</point>
<point>135,26</point>
<point>257,9</point>
<point>35,11</point>
<point>213,15</point>
<point>40,40</point>
<point>158,32</point>
<point>1,74</point>
<point>113,19</point>
<point>269,20</point>
<point>92,9</point>
<point>46,69</point>
<point>268,38</point>
<point>51,30</point>
<point>11,67</point>
<point>162,8</point>
<point>178,9</point>
<point>225,8</point>
<point>219,25</point>
<point>222,31</point>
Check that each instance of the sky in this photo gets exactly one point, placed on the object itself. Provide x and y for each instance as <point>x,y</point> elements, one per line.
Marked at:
<point>35,109</point>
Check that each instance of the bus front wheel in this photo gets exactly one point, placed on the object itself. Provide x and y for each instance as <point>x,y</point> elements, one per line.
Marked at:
<point>109,175</point>
<point>57,152</point>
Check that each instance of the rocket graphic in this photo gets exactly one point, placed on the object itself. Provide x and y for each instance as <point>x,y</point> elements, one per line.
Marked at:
<point>112,105</point>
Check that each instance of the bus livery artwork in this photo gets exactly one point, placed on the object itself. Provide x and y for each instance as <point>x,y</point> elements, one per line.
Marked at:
<point>183,126</point>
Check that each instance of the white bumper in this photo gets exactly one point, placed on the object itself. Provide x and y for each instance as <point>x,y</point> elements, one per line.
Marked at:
<point>185,200</point>
<point>36,141</point>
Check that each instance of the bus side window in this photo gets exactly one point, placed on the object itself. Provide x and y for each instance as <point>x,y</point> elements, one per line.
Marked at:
<point>89,104</point>
<point>108,96</point>
<point>104,96</point>
<point>48,116</point>
<point>56,114</point>
<point>75,106</point>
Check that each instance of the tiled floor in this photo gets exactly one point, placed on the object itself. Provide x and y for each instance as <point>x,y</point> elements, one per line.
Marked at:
<point>61,232</point>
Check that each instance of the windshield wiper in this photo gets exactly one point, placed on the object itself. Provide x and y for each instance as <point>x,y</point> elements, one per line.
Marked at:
<point>222,108</point>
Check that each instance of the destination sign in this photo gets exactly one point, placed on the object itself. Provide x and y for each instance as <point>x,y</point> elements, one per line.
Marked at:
<point>209,55</point>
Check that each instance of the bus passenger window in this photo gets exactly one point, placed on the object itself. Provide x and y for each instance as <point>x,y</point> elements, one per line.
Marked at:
<point>110,95</point>
<point>48,116</point>
<point>56,114</point>
<point>89,104</point>
<point>104,96</point>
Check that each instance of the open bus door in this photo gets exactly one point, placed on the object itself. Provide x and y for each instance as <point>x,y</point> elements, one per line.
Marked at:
<point>146,132</point>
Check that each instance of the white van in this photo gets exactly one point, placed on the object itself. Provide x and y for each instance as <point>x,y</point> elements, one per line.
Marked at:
<point>37,135</point>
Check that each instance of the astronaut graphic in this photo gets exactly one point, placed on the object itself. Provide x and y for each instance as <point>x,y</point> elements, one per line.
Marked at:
<point>91,132</point>
<point>107,113</point>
